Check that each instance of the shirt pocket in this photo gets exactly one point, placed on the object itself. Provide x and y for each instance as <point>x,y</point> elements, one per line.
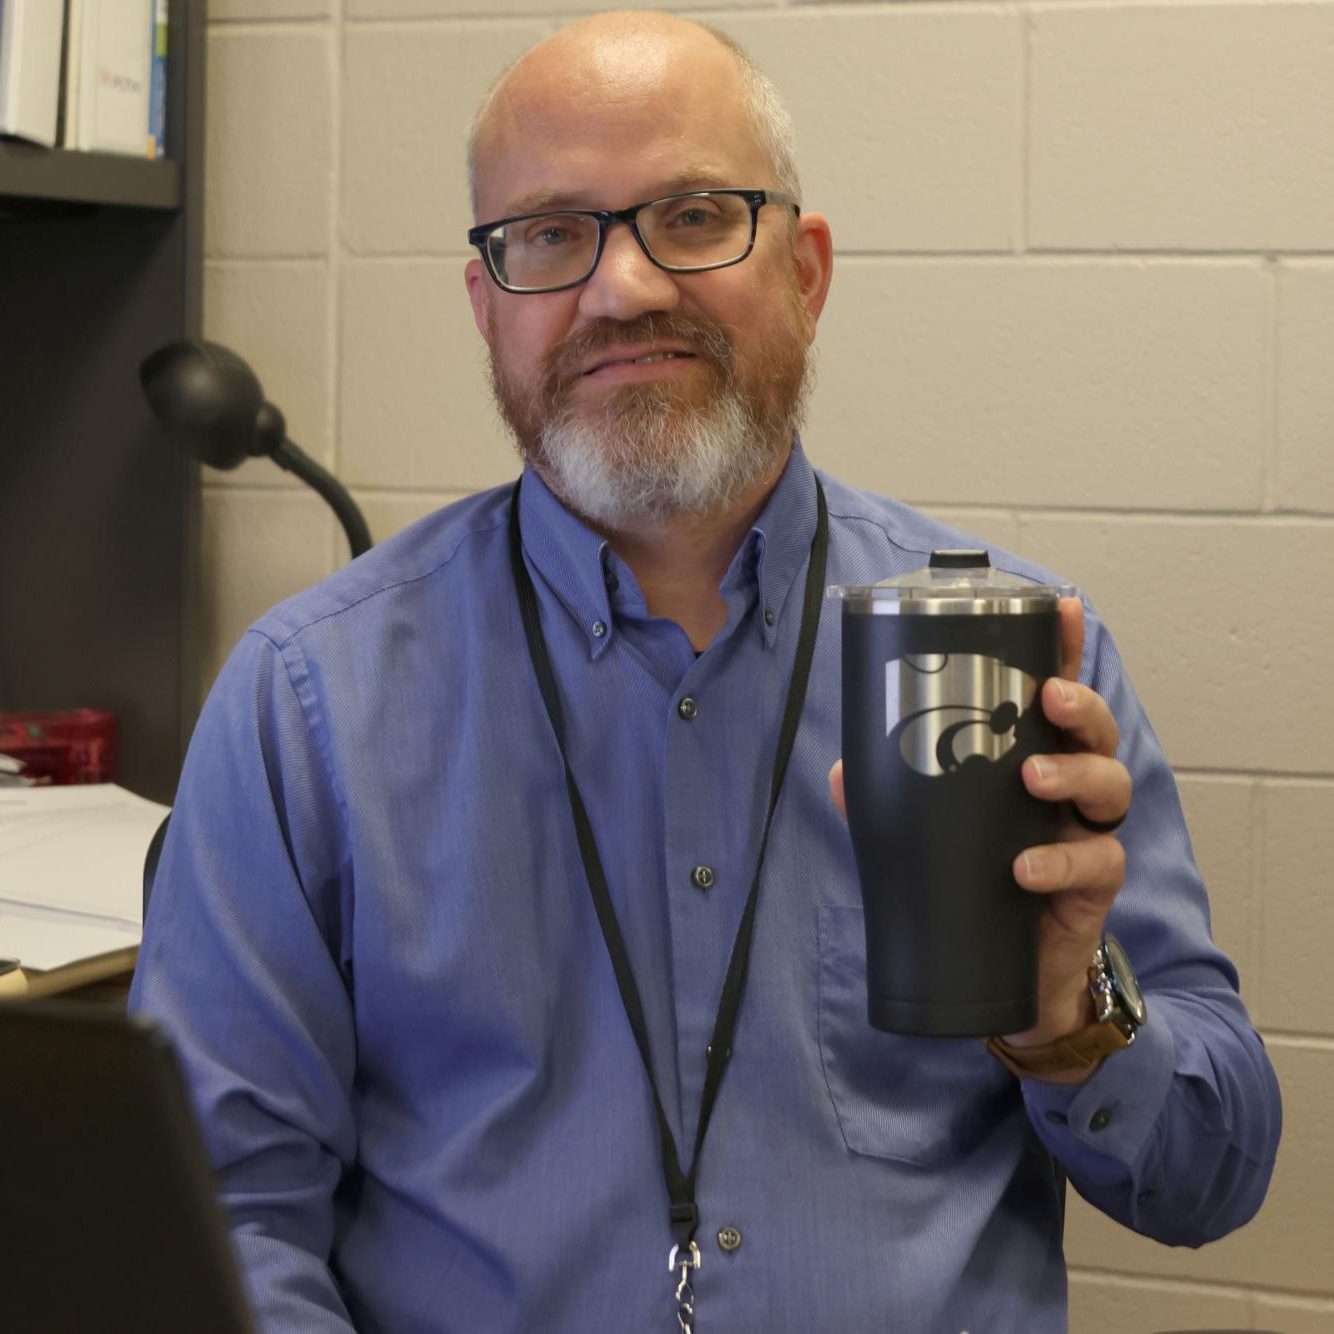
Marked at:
<point>913,1100</point>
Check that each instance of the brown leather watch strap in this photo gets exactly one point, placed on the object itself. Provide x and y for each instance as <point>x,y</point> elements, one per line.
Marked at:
<point>1072,1057</point>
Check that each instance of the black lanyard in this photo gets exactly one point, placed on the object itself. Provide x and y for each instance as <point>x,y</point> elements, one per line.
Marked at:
<point>680,1185</point>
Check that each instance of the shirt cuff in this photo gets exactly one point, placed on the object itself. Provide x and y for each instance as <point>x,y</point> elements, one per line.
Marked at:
<point>1100,1128</point>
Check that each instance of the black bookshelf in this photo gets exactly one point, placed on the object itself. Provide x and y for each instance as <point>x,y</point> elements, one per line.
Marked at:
<point>32,176</point>
<point>101,262</point>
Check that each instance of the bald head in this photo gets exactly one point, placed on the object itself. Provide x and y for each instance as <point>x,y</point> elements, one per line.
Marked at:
<point>606,59</point>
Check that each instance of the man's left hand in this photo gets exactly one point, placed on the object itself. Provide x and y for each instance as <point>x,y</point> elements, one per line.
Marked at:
<point>1080,873</point>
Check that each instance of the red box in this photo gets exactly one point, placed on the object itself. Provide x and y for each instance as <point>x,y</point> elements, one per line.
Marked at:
<point>62,746</point>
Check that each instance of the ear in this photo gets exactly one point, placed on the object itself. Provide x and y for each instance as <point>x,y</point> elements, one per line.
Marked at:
<point>479,293</point>
<point>813,252</point>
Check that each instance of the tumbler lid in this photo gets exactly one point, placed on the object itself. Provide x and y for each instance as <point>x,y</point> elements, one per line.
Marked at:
<point>955,581</point>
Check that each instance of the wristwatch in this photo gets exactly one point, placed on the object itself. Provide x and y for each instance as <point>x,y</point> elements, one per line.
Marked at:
<point>1120,1012</point>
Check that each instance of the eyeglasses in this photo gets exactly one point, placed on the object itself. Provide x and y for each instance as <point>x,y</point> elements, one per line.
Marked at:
<point>690,233</point>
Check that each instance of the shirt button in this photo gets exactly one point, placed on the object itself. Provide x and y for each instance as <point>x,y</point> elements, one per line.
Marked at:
<point>770,615</point>
<point>702,877</point>
<point>688,709</point>
<point>1100,1119</point>
<point>729,1238</point>
<point>599,629</point>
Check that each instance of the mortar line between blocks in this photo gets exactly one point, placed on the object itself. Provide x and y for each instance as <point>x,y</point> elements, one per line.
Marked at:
<point>1269,501</point>
<point>1130,514</point>
<point>1286,776</point>
<point>1293,1041</point>
<point>334,298</point>
<point>1023,204</point>
<point>1184,1286</point>
<point>1259,862</point>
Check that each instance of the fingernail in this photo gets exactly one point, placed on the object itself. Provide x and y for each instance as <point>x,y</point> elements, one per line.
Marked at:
<point>1040,770</point>
<point>1034,864</point>
<point>1066,693</point>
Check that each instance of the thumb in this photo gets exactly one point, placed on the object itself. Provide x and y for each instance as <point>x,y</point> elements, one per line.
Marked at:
<point>836,788</point>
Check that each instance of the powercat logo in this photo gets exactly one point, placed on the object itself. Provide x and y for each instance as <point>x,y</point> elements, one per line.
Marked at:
<point>947,710</point>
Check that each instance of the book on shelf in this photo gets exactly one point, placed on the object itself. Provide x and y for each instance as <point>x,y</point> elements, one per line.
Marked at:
<point>115,76</point>
<point>157,96</point>
<point>30,37</point>
<point>114,82</point>
<point>71,69</point>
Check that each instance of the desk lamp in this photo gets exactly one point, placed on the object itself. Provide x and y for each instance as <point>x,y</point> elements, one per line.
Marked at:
<point>213,405</point>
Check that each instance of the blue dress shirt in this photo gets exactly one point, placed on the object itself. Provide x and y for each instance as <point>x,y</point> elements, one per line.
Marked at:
<point>372,938</point>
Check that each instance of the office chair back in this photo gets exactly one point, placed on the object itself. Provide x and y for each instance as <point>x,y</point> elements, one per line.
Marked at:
<point>151,858</point>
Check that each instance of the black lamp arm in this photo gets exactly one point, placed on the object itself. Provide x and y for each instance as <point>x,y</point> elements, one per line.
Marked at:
<point>295,460</point>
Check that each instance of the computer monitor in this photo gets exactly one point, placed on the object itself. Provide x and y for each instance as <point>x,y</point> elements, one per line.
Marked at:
<point>108,1218</point>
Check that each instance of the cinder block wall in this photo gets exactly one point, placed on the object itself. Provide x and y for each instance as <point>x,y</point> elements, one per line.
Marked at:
<point>1084,307</point>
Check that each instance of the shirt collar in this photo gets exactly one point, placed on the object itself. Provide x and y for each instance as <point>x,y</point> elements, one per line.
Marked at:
<point>781,538</point>
<point>570,557</point>
<point>579,567</point>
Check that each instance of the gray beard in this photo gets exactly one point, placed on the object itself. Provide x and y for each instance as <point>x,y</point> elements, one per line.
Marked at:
<point>646,452</point>
<point>648,456</point>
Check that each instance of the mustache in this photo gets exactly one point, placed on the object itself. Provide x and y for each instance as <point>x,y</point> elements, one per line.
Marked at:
<point>703,337</point>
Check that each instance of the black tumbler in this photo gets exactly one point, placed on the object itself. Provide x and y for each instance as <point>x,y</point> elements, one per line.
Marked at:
<point>942,678</point>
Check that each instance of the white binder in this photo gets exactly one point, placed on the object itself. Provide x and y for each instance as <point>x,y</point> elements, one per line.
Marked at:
<point>110,65</point>
<point>30,34</point>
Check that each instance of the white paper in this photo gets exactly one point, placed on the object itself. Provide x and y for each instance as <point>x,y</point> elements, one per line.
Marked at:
<point>72,870</point>
<point>41,939</point>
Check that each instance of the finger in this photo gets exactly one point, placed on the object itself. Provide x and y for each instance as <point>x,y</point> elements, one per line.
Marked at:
<point>1072,636</point>
<point>1100,786</point>
<point>836,788</point>
<point>1094,865</point>
<point>1082,714</point>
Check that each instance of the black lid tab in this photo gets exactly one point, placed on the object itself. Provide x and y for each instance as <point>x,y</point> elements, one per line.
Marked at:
<point>959,558</point>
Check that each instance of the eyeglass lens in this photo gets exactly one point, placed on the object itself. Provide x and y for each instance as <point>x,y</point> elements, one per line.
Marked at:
<point>684,232</point>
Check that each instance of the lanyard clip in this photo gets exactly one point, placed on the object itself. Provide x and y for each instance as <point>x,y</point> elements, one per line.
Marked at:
<point>685,1259</point>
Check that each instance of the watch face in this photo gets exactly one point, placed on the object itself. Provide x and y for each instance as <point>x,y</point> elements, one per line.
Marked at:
<point>1123,979</point>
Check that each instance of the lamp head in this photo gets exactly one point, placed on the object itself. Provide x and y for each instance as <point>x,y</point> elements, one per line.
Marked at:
<point>211,402</point>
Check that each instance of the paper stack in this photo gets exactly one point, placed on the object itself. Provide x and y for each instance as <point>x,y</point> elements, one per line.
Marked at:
<point>71,882</point>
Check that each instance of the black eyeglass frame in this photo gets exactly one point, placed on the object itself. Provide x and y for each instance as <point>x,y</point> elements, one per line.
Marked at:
<point>756,199</point>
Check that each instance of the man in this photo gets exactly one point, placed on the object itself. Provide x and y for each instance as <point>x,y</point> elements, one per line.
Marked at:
<point>432,800</point>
